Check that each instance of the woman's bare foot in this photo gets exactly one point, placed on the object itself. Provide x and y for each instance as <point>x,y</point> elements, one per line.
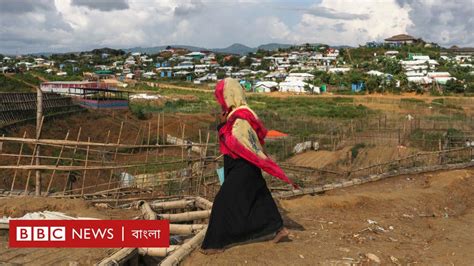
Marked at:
<point>283,233</point>
<point>211,251</point>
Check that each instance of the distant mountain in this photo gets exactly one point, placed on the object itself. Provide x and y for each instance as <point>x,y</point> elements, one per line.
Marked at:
<point>157,49</point>
<point>274,46</point>
<point>236,48</point>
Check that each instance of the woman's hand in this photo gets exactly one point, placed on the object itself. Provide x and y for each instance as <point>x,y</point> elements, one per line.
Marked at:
<point>223,117</point>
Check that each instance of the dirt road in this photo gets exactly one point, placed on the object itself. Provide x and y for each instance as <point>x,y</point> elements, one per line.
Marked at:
<point>425,219</point>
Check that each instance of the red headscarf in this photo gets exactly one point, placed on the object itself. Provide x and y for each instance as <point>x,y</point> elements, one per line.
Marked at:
<point>243,134</point>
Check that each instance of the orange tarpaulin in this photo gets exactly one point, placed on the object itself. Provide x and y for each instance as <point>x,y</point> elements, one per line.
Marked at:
<point>274,134</point>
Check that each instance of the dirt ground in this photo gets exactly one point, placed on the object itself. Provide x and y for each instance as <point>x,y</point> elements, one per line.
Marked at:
<point>16,207</point>
<point>339,159</point>
<point>425,219</point>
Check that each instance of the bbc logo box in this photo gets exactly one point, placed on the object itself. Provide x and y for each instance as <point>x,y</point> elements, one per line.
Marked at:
<point>41,233</point>
<point>88,234</point>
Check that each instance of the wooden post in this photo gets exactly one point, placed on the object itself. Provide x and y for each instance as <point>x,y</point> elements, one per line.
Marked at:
<point>85,168</point>
<point>39,125</point>
<point>18,163</point>
<point>182,139</point>
<point>204,154</point>
<point>57,163</point>
<point>34,154</point>
<point>164,136</point>
<point>157,136</point>
<point>148,141</point>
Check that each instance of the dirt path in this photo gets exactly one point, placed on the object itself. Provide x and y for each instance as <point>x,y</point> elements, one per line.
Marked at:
<point>424,219</point>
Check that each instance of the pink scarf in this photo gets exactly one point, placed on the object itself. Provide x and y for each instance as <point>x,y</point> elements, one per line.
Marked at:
<point>242,136</point>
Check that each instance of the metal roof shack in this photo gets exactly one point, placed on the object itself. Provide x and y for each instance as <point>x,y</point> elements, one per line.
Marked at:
<point>93,95</point>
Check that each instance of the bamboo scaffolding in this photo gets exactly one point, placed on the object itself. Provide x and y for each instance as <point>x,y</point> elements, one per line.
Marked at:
<point>118,141</point>
<point>57,163</point>
<point>72,162</point>
<point>47,142</point>
<point>185,216</point>
<point>102,155</point>
<point>184,250</point>
<point>38,134</point>
<point>18,163</point>
<point>53,158</point>
<point>95,167</point>
<point>85,168</point>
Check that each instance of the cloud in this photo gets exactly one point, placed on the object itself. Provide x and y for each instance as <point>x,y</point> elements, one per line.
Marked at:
<point>28,26</point>
<point>444,22</point>
<point>24,6</point>
<point>369,21</point>
<point>188,8</point>
<point>325,12</point>
<point>102,5</point>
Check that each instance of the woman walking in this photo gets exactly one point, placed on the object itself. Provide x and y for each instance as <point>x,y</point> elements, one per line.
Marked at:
<point>243,208</point>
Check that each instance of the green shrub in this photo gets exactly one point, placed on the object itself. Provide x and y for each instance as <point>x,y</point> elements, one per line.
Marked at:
<point>356,148</point>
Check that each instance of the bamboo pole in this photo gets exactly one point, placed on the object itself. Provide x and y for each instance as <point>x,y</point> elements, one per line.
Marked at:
<point>182,139</point>
<point>164,136</point>
<point>185,216</point>
<point>77,168</point>
<point>34,154</point>
<point>57,163</point>
<point>39,127</point>
<point>138,134</point>
<point>179,254</point>
<point>186,229</point>
<point>157,252</point>
<point>51,142</point>
<point>168,205</point>
<point>148,141</point>
<point>18,162</point>
<point>102,156</point>
<point>53,157</point>
<point>203,203</point>
<point>146,210</point>
<point>73,154</point>
<point>202,166</point>
<point>85,168</point>
<point>118,140</point>
<point>157,136</point>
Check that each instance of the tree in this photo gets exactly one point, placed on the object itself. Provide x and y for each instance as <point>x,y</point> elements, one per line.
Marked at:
<point>454,86</point>
<point>372,83</point>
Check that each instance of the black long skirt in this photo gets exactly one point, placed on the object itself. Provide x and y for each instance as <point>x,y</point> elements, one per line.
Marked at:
<point>243,208</point>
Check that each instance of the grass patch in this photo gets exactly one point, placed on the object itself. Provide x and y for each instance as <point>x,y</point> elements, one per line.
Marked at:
<point>342,108</point>
<point>10,85</point>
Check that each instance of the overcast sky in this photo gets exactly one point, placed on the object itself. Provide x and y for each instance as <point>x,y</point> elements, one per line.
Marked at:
<point>28,26</point>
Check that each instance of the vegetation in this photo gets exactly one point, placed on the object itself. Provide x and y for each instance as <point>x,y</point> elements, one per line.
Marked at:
<point>355,150</point>
<point>310,107</point>
<point>8,84</point>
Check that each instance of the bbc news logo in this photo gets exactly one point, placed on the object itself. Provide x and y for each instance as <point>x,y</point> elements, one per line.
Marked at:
<point>40,233</point>
<point>89,233</point>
